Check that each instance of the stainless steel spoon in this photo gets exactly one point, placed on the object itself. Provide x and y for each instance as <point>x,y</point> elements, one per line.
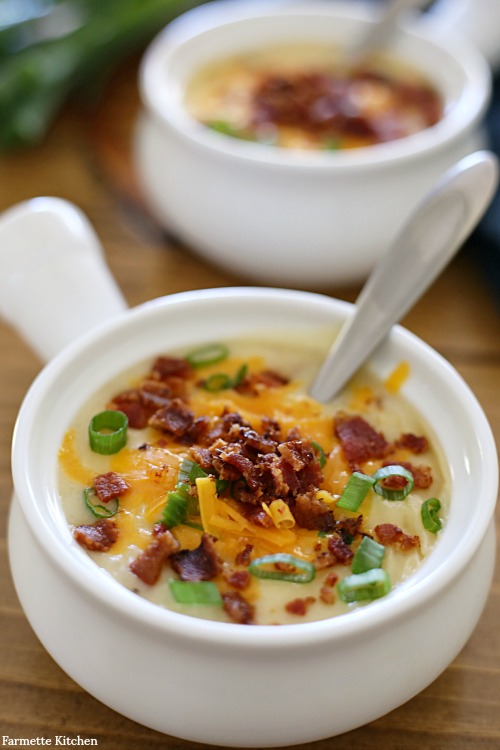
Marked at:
<point>427,243</point>
<point>380,31</point>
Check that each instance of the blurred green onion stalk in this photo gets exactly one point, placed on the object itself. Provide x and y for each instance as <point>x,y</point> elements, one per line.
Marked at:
<point>51,49</point>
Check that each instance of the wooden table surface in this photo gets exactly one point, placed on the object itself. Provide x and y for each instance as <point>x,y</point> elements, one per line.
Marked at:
<point>86,159</point>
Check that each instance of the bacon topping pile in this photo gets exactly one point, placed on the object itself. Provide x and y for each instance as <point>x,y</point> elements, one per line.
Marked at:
<point>258,466</point>
<point>331,106</point>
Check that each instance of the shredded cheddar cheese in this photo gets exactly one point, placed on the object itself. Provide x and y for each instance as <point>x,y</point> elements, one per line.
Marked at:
<point>395,381</point>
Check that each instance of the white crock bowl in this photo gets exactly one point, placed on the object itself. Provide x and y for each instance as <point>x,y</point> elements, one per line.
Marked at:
<point>221,683</point>
<point>276,216</point>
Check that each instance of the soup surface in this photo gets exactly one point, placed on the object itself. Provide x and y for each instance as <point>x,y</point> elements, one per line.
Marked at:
<point>297,96</point>
<point>233,495</point>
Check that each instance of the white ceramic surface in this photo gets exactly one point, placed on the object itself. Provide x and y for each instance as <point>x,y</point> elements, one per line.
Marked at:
<point>477,19</point>
<point>294,218</point>
<point>226,684</point>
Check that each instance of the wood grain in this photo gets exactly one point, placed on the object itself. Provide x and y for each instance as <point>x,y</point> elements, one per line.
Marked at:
<point>86,159</point>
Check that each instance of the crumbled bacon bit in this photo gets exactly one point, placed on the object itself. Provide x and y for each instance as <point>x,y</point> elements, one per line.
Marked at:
<point>312,513</point>
<point>149,563</point>
<point>175,418</point>
<point>200,564</point>
<point>271,429</point>
<point>243,557</point>
<point>413,443</point>
<point>331,579</point>
<point>130,403</point>
<point>422,476</point>
<point>110,486</point>
<point>360,441</point>
<point>349,528</point>
<point>165,368</point>
<point>238,579</point>
<point>97,537</point>
<point>238,608</point>
<point>327,595</point>
<point>340,550</point>
<point>337,553</point>
<point>390,535</point>
<point>251,384</point>
<point>299,606</point>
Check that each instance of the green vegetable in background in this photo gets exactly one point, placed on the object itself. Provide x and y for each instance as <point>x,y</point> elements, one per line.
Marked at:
<point>50,49</point>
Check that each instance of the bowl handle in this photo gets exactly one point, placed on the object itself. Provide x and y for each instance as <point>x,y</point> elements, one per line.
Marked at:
<point>54,281</point>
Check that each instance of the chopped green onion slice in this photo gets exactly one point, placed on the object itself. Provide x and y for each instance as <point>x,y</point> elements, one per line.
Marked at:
<point>221,126</point>
<point>321,453</point>
<point>195,592</point>
<point>108,431</point>
<point>369,555</point>
<point>393,471</point>
<point>175,511</point>
<point>218,382</point>
<point>207,355</point>
<point>190,471</point>
<point>226,128</point>
<point>357,487</point>
<point>332,144</point>
<point>100,511</point>
<point>364,586</point>
<point>259,568</point>
<point>429,514</point>
<point>240,376</point>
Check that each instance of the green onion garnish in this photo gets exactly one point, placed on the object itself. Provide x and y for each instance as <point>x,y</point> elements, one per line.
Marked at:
<point>100,511</point>
<point>429,514</point>
<point>226,128</point>
<point>240,376</point>
<point>207,355</point>
<point>259,568</point>
<point>220,381</point>
<point>392,471</point>
<point>108,432</point>
<point>369,555</point>
<point>364,586</point>
<point>321,453</point>
<point>195,592</point>
<point>190,471</point>
<point>175,511</point>
<point>357,487</point>
<point>332,144</point>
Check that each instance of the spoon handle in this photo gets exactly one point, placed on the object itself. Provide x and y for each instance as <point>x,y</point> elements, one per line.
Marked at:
<point>427,243</point>
<point>380,30</point>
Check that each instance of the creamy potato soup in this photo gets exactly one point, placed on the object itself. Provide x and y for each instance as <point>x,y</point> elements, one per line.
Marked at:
<point>209,482</point>
<point>297,96</point>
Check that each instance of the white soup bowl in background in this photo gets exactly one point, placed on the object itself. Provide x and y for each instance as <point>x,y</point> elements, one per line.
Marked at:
<point>290,217</point>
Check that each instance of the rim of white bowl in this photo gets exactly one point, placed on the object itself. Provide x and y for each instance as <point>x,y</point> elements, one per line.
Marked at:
<point>159,100</point>
<point>76,565</point>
